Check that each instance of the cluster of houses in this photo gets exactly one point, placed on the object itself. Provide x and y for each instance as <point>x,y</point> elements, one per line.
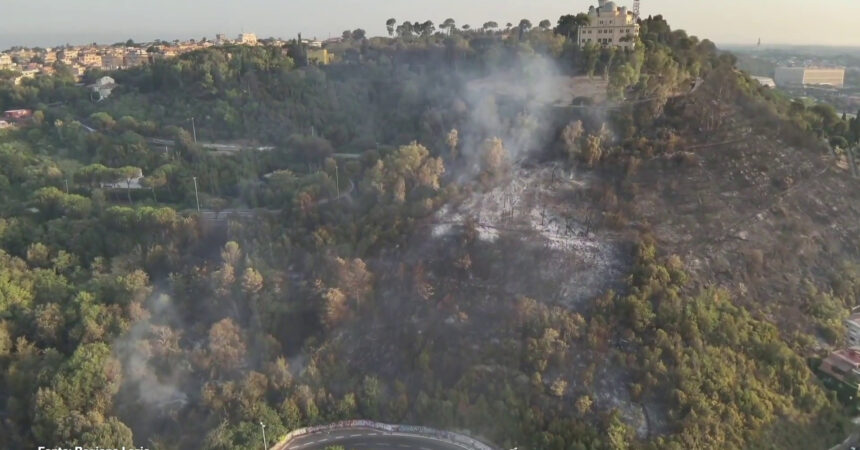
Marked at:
<point>611,25</point>
<point>843,365</point>
<point>30,62</point>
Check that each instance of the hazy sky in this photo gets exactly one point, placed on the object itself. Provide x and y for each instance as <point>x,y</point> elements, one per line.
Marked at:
<point>50,22</point>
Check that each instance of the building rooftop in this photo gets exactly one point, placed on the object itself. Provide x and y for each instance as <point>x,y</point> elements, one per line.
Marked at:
<point>847,359</point>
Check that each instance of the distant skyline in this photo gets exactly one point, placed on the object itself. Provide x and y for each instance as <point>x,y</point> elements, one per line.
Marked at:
<point>727,22</point>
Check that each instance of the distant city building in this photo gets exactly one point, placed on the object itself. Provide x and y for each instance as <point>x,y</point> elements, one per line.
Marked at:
<point>248,39</point>
<point>610,26</point>
<point>844,366</point>
<point>765,81</point>
<point>49,57</point>
<point>5,60</point>
<point>810,76</point>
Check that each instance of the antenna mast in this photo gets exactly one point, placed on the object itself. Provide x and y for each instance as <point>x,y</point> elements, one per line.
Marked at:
<point>636,8</point>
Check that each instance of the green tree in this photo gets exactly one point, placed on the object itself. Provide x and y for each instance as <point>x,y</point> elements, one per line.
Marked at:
<point>450,25</point>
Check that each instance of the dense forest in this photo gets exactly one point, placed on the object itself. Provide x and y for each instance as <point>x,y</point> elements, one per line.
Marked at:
<point>308,289</point>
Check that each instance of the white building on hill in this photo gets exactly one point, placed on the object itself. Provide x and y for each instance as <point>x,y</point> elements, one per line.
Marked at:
<point>248,39</point>
<point>610,25</point>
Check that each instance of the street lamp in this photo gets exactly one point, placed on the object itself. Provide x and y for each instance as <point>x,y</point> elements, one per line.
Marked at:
<point>265,443</point>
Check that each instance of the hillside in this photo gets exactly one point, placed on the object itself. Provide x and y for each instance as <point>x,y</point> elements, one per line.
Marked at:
<point>500,233</point>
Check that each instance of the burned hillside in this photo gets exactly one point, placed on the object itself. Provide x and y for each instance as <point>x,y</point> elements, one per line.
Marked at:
<point>548,245</point>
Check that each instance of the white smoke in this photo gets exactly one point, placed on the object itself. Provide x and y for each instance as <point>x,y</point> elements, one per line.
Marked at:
<point>150,387</point>
<point>514,105</point>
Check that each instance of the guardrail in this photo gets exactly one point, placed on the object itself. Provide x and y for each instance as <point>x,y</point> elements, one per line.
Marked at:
<point>384,427</point>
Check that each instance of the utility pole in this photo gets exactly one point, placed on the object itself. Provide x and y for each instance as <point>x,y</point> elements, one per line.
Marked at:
<point>194,130</point>
<point>336,178</point>
<point>265,443</point>
<point>67,186</point>
<point>196,195</point>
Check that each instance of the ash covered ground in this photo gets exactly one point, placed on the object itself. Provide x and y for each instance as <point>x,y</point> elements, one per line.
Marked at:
<point>543,207</point>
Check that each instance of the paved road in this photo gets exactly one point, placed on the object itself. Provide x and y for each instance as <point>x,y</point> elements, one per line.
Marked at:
<point>366,439</point>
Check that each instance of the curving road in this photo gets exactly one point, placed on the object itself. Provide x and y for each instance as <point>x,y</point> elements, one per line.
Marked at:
<point>367,439</point>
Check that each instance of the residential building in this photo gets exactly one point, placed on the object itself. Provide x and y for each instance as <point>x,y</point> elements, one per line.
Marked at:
<point>610,26</point>
<point>810,76</point>
<point>90,59</point>
<point>248,39</point>
<point>22,56</point>
<point>67,56</point>
<point>852,330</point>
<point>844,366</point>
<point>17,115</point>
<point>136,58</point>
<point>319,56</point>
<point>49,57</point>
<point>25,74</point>
<point>112,62</point>
<point>78,71</point>
<point>5,60</point>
